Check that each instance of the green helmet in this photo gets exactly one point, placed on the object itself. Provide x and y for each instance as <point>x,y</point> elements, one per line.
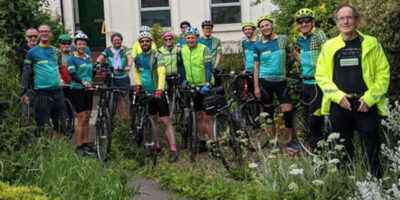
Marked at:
<point>64,37</point>
<point>304,13</point>
<point>264,17</point>
<point>251,24</point>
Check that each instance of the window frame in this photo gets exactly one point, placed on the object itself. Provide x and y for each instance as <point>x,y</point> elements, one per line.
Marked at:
<point>222,5</point>
<point>160,8</point>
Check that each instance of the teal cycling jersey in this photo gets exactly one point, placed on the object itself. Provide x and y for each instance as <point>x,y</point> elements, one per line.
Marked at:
<point>117,64</point>
<point>146,65</point>
<point>181,42</point>
<point>87,50</point>
<point>43,61</point>
<point>310,48</point>
<point>214,46</point>
<point>248,47</point>
<point>82,67</point>
<point>272,56</point>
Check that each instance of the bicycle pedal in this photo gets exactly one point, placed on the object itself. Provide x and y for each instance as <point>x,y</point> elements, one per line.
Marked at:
<point>146,144</point>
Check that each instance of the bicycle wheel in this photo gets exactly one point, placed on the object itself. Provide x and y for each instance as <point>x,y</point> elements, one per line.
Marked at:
<point>103,134</point>
<point>301,131</point>
<point>256,138</point>
<point>149,141</point>
<point>192,137</point>
<point>134,135</point>
<point>69,123</point>
<point>229,146</point>
<point>111,106</point>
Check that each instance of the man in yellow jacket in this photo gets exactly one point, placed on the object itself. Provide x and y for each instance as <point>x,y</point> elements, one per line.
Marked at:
<point>353,73</point>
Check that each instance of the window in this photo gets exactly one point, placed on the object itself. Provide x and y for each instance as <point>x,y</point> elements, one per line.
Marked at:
<point>226,11</point>
<point>155,11</point>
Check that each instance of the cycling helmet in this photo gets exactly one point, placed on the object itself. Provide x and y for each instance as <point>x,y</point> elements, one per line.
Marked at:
<point>81,36</point>
<point>207,23</point>
<point>65,38</point>
<point>251,24</point>
<point>192,30</point>
<point>78,31</point>
<point>144,29</point>
<point>144,35</point>
<point>304,13</point>
<point>184,23</point>
<point>264,17</point>
<point>116,34</point>
<point>167,34</point>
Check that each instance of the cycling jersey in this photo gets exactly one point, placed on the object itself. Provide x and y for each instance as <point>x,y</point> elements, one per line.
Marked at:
<point>375,73</point>
<point>181,41</point>
<point>214,46</point>
<point>272,56</point>
<point>136,49</point>
<point>82,68</point>
<point>117,64</point>
<point>195,65</point>
<point>248,47</point>
<point>149,71</point>
<point>310,47</point>
<point>169,59</point>
<point>43,61</point>
<point>87,50</point>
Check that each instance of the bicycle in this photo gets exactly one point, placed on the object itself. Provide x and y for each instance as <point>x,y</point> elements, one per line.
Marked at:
<point>141,123</point>
<point>103,122</point>
<point>69,123</point>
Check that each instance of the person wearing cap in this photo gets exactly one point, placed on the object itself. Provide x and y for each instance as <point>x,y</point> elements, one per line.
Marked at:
<point>270,54</point>
<point>150,75</point>
<point>117,58</point>
<point>248,29</point>
<point>81,71</point>
<point>181,40</point>
<point>214,46</point>
<point>310,40</point>
<point>195,68</point>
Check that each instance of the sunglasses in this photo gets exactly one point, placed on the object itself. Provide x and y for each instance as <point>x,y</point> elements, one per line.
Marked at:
<point>305,20</point>
<point>167,39</point>
<point>144,41</point>
<point>65,43</point>
<point>32,36</point>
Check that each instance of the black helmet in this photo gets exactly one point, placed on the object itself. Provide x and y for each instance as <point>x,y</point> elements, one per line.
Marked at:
<point>207,23</point>
<point>116,34</point>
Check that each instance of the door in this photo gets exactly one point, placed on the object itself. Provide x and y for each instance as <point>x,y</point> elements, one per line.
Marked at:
<point>91,16</point>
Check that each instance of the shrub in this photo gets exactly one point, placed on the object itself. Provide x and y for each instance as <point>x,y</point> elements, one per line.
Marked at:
<point>20,192</point>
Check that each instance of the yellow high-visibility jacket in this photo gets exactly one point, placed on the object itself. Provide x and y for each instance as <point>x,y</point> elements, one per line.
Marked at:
<point>375,69</point>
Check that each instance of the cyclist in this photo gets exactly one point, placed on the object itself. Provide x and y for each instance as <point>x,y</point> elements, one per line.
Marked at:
<point>41,66</point>
<point>117,56</point>
<point>270,55</point>
<point>149,74</point>
<point>310,40</point>
<point>136,49</point>
<point>87,50</point>
<point>195,68</point>
<point>31,40</point>
<point>65,42</point>
<point>181,40</point>
<point>81,71</point>
<point>354,75</point>
<point>214,47</point>
<point>169,51</point>
<point>248,29</point>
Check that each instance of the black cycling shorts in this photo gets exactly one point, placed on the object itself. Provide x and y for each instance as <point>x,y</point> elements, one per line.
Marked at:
<point>268,88</point>
<point>81,99</point>
<point>159,106</point>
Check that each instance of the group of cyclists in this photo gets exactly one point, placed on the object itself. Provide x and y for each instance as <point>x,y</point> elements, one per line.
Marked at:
<point>344,78</point>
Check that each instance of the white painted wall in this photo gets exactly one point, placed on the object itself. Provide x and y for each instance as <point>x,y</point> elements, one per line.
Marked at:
<point>124,16</point>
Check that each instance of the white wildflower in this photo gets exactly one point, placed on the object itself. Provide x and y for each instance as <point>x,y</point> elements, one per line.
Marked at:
<point>293,186</point>
<point>369,189</point>
<point>253,165</point>
<point>393,155</point>
<point>264,114</point>
<point>333,136</point>
<point>293,166</point>
<point>296,172</point>
<point>317,182</point>
<point>395,190</point>
<point>334,161</point>
<point>339,147</point>
<point>392,121</point>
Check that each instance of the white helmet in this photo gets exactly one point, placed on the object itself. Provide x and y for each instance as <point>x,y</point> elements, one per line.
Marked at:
<point>81,36</point>
<point>144,29</point>
<point>144,35</point>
